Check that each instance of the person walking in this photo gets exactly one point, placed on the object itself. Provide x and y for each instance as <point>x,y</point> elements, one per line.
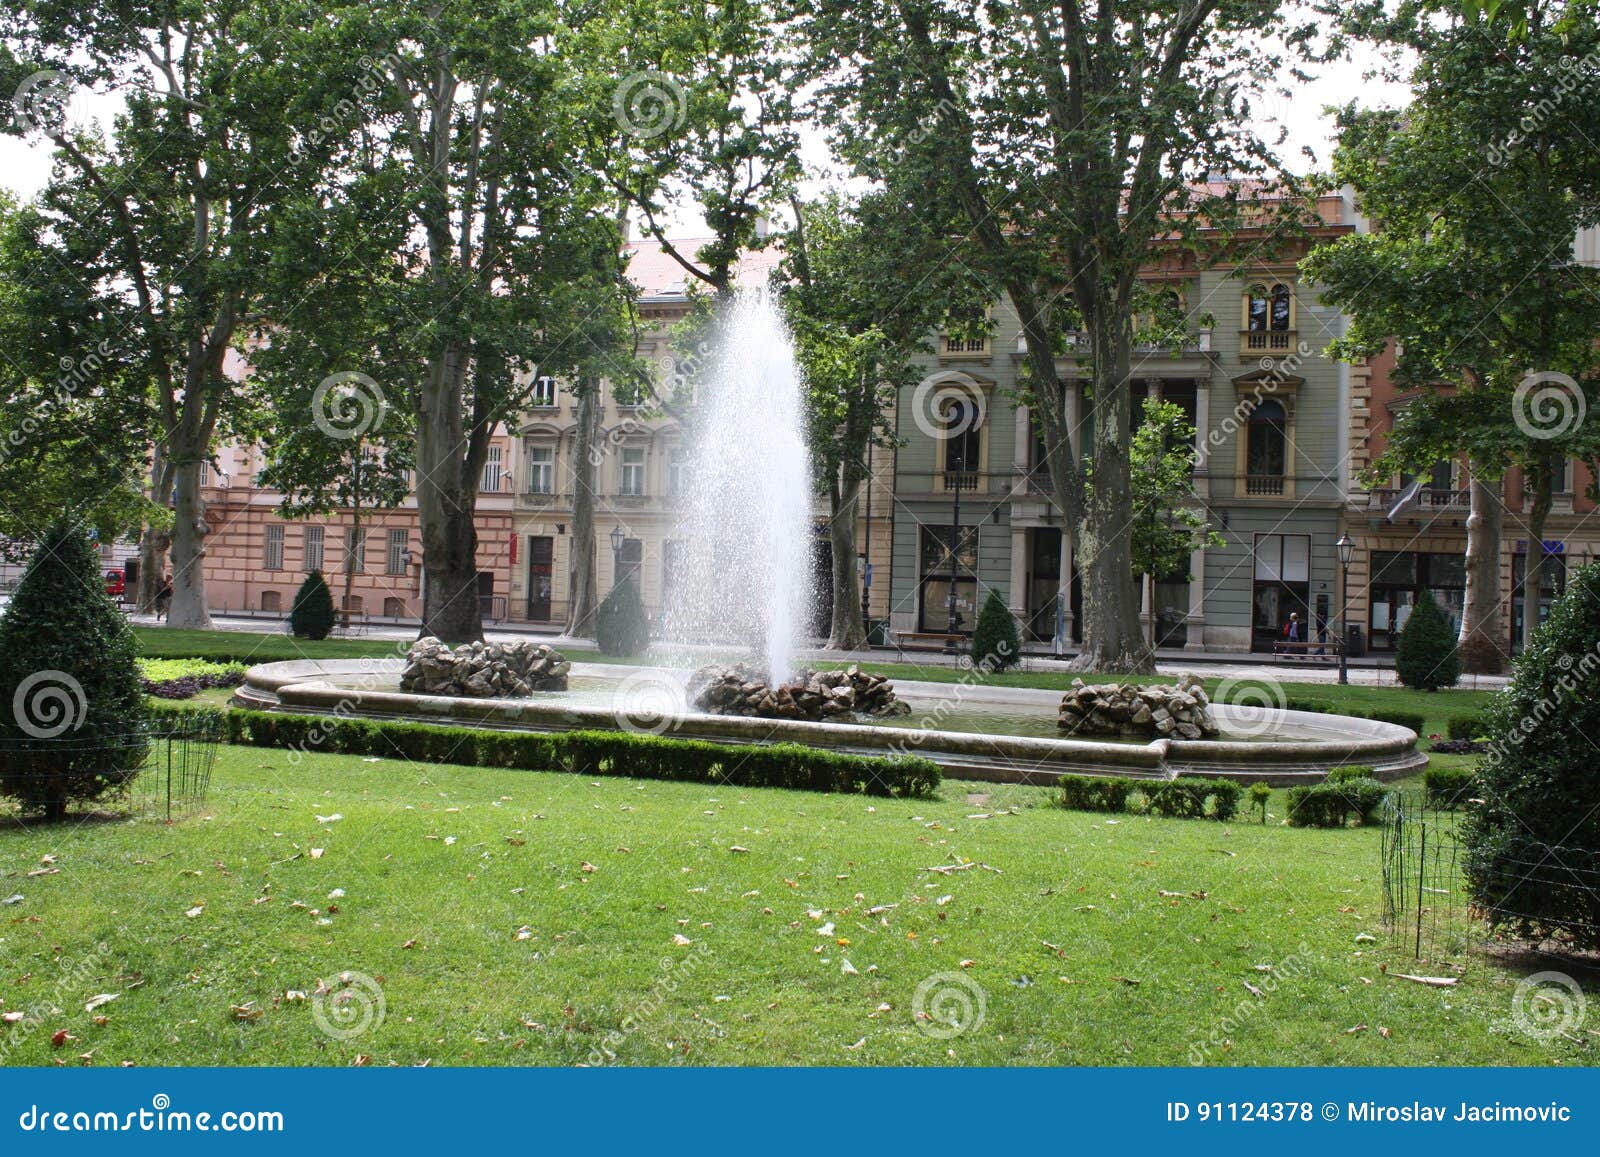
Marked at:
<point>1291,630</point>
<point>164,598</point>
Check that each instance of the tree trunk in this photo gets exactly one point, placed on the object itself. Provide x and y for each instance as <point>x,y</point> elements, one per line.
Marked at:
<point>581,595</point>
<point>153,546</point>
<point>1482,639</point>
<point>1112,640</point>
<point>847,631</point>
<point>189,532</point>
<point>1533,567</point>
<point>446,501</point>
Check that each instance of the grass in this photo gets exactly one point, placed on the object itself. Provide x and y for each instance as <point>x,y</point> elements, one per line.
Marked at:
<point>533,918</point>
<point>249,647</point>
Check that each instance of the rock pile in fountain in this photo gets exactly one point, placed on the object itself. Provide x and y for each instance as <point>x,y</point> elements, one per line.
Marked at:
<point>1180,712</point>
<point>483,670</point>
<point>812,695</point>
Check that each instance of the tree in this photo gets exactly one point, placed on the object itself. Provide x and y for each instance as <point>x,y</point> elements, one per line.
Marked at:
<point>311,615</point>
<point>1425,657</point>
<point>1070,140</point>
<point>168,219</point>
<point>995,642</point>
<point>73,725</point>
<point>620,626</point>
<point>1167,530</point>
<point>1479,186</point>
<point>863,284</point>
<point>1532,847</point>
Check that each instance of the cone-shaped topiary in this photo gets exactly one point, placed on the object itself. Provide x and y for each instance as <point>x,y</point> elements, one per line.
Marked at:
<point>311,617</point>
<point>1532,845</point>
<point>1425,657</point>
<point>72,708</point>
<point>619,623</point>
<point>995,643</point>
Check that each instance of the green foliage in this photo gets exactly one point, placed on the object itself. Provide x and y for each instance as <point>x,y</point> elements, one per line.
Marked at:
<point>1168,527</point>
<point>1087,793</point>
<point>311,616</point>
<point>1333,804</point>
<point>1425,657</point>
<point>1465,726</point>
<point>620,626</point>
<point>1414,720</point>
<point>590,753</point>
<point>1347,774</point>
<point>1532,850</point>
<point>73,715</point>
<point>1260,795</point>
<point>1186,797</point>
<point>995,642</point>
<point>1449,787</point>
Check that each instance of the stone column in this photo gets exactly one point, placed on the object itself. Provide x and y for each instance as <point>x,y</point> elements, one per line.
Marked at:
<point>1202,432</point>
<point>1196,639</point>
<point>1065,591</point>
<point>1019,572</point>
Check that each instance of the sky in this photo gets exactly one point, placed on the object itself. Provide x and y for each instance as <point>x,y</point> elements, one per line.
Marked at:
<point>25,163</point>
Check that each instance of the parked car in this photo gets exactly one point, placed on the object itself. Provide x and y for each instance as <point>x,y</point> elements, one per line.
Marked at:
<point>115,583</point>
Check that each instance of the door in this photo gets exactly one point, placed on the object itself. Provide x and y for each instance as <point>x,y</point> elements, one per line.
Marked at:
<point>486,594</point>
<point>541,559</point>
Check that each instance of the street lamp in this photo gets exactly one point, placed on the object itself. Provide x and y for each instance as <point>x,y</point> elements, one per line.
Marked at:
<point>1347,550</point>
<point>618,537</point>
<point>955,463</point>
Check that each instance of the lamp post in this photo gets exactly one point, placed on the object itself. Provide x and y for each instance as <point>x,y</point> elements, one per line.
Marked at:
<point>1347,550</point>
<point>958,416</point>
<point>618,537</point>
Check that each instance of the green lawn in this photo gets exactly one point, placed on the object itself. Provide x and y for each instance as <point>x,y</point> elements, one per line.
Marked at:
<point>532,918</point>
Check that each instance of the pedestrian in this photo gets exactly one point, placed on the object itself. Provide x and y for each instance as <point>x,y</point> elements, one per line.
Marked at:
<point>164,597</point>
<point>1291,630</point>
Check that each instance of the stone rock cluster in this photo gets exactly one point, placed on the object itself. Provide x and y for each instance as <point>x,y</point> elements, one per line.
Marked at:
<point>741,689</point>
<point>1172,712</point>
<point>483,670</point>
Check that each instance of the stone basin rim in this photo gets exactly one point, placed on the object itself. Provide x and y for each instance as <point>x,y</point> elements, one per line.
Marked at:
<point>308,685</point>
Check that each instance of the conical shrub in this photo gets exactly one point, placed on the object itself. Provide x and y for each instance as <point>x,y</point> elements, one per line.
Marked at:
<point>1425,657</point>
<point>995,642</point>
<point>311,617</point>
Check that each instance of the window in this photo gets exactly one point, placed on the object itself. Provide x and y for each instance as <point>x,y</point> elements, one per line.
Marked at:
<point>938,611</point>
<point>396,562</point>
<point>205,473</point>
<point>677,467</point>
<point>541,469</point>
<point>313,551</point>
<point>271,601</point>
<point>1267,451</point>
<point>1269,309</point>
<point>272,558</point>
<point>962,441</point>
<point>491,472</point>
<point>632,472</point>
<point>966,334</point>
<point>355,551</point>
<point>544,392</point>
<point>354,605</point>
<point>1256,309</point>
<point>394,608</point>
<point>1280,314</point>
<point>1398,580</point>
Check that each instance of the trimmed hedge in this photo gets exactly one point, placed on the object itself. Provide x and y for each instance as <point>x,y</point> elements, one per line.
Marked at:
<point>1331,805</point>
<point>1415,720</point>
<point>1187,797</point>
<point>1465,726</point>
<point>622,753</point>
<point>1449,787</point>
<point>1347,774</point>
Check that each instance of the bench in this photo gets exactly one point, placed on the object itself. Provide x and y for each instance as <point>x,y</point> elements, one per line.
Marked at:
<point>1312,650</point>
<point>928,640</point>
<point>350,622</point>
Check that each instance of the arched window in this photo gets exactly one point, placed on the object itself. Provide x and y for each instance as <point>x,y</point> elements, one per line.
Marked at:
<point>1280,307</point>
<point>1266,457</point>
<point>1256,309</point>
<point>962,441</point>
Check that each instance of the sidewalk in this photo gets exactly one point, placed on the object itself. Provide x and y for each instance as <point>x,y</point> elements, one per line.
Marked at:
<point>1368,671</point>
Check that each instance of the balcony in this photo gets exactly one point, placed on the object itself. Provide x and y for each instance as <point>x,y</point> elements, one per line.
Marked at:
<point>1078,342</point>
<point>972,348</point>
<point>1428,498</point>
<point>1257,343</point>
<point>527,500</point>
<point>1264,485</point>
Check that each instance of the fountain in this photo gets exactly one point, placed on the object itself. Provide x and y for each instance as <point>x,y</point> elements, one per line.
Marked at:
<point>742,577</point>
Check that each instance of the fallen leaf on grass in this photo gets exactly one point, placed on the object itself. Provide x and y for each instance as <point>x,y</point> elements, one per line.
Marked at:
<point>586,866</point>
<point>333,819</point>
<point>195,911</point>
<point>968,963</point>
<point>1366,938</point>
<point>738,848</point>
<point>681,940</point>
<point>95,1002</point>
<point>1254,991</point>
<point>848,969</point>
<point>315,853</point>
<point>17,899</point>
<point>1352,1031</point>
<point>60,1037</point>
<point>246,1012</point>
<point>1430,981</point>
<point>858,1044</point>
<point>1383,1032</point>
<point>1128,980</point>
<point>12,1017</point>
<point>409,944</point>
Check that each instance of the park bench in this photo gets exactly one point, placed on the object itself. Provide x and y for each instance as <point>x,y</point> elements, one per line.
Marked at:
<point>929,640</point>
<point>1311,650</point>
